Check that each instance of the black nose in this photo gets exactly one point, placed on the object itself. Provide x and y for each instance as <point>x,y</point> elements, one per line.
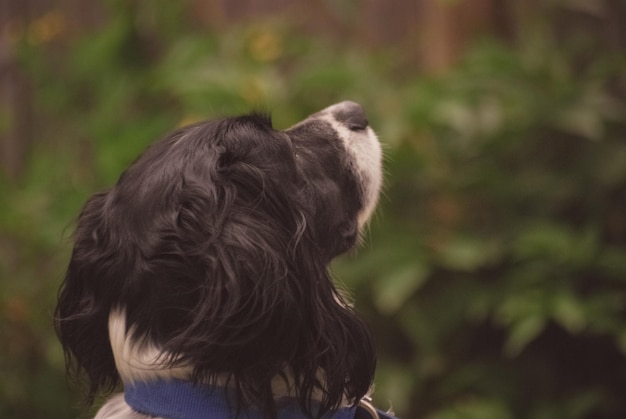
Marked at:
<point>351,115</point>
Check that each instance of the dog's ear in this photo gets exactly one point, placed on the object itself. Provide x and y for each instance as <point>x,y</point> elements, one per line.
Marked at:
<point>83,307</point>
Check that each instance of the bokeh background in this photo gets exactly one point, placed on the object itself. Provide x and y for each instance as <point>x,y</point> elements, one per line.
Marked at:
<point>494,274</point>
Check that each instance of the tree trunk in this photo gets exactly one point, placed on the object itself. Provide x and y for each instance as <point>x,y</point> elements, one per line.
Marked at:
<point>15,95</point>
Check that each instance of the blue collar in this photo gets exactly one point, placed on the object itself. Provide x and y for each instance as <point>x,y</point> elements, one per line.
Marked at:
<point>177,399</point>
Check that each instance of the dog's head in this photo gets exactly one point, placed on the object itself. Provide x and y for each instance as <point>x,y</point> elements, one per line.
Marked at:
<point>208,261</point>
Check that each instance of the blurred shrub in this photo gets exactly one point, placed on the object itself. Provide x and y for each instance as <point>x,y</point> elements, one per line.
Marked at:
<point>494,276</point>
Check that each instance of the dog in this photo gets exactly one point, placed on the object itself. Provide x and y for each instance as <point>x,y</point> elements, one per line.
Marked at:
<point>205,269</point>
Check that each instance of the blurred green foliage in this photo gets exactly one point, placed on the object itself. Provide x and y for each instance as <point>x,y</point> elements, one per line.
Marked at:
<point>494,274</point>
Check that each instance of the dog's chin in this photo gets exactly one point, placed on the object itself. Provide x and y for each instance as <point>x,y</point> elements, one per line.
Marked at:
<point>207,262</point>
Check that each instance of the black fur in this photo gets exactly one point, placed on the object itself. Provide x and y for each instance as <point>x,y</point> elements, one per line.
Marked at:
<point>216,243</point>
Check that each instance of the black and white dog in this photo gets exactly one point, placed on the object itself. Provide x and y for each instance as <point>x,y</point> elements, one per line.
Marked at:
<point>202,275</point>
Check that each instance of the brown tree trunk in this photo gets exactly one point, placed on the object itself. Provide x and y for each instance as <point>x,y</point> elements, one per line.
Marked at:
<point>15,95</point>
<point>445,29</point>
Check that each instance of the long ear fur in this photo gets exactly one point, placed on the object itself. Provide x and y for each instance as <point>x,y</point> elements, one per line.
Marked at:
<point>84,300</point>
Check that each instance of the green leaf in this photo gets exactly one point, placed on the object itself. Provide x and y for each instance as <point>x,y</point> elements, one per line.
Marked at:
<point>522,333</point>
<point>394,289</point>
<point>557,244</point>
<point>569,312</point>
<point>467,253</point>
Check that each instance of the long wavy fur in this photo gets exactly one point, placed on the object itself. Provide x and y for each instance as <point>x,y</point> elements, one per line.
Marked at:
<point>214,245</point>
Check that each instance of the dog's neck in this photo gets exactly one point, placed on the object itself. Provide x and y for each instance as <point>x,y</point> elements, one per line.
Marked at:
<point>142,362</point>
<point>139,361</point>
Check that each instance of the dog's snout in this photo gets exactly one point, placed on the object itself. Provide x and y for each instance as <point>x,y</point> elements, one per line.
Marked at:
<point>351,115</point>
